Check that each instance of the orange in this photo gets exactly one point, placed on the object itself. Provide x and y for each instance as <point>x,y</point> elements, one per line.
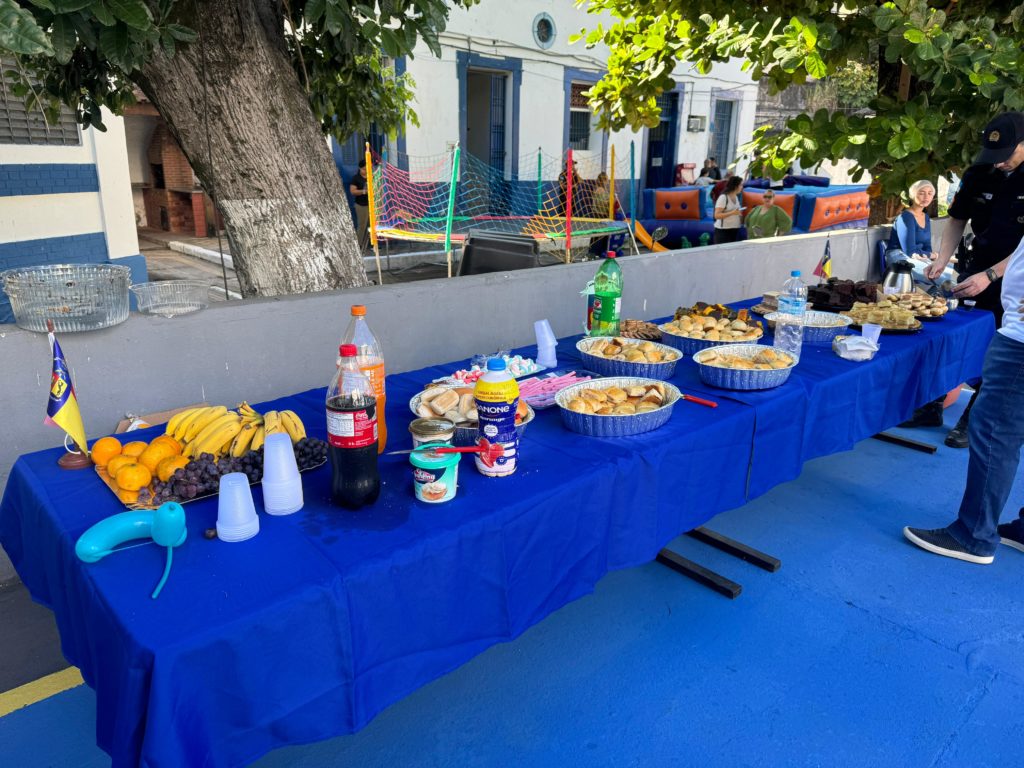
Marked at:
<point>165,469</point>
<point>154,454</point>
<point>135,448</point>
<point>169,441</point>
<point>132,477</point>
<point>117,462</point>
<point>104,449</point>
<point>127,497</point>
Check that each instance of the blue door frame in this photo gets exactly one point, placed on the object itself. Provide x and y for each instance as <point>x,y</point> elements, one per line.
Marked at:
<point>659,160</point>
<point>464,61</point>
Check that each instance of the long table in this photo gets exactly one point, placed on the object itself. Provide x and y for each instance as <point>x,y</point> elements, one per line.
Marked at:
<point>327,617</point>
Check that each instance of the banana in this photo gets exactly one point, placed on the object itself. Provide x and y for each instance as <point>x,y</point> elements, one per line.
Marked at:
<point>293,425</point>
<point>272,421</point>
<point>203,420</point>
<point>219,439</point>
<point>240,445</point>
<point>258,438</point>
<point>248,413</point>
<point>178,418</point>
<point>199,440</point>
<point>182,426</point>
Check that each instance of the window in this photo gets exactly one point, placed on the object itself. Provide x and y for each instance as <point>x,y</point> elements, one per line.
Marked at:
<point>543,30</point>
<point>580,117</point>
<point>19,126</point>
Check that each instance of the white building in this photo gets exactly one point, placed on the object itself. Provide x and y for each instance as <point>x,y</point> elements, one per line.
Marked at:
<point>508,82</point>
<point>65,194</point>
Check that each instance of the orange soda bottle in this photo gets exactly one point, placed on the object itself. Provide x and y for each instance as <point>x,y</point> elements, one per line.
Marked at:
<point>370,359</point>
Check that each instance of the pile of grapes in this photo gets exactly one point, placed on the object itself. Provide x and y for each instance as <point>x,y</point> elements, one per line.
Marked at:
<point>202,475</point>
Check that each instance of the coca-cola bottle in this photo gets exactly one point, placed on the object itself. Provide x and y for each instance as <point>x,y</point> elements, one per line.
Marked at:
<point>352,434</point>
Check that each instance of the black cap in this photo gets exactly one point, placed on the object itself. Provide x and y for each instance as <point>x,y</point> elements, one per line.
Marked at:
<point>1000,137</point>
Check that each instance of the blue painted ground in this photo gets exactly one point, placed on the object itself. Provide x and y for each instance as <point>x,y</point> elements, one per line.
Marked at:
<point>861,651</point>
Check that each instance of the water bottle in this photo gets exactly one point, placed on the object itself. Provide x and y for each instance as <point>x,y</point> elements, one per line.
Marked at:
<point>607,298</point>
<point>789,327</point>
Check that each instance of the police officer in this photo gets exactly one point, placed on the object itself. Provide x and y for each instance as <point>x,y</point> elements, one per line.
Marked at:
<point>991,198</point>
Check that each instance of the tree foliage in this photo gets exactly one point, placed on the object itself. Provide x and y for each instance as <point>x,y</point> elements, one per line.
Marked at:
<point>87,54</point>
<point>964,57</point>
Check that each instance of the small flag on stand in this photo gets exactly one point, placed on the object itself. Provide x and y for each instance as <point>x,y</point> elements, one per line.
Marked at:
<point>824,268</point>
<point>62,408</point>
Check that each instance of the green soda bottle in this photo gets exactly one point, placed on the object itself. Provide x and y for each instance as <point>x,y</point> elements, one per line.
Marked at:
<point>607,298</point>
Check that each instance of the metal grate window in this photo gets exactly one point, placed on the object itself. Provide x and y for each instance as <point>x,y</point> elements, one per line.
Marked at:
<point>19,126</point>
<point>579,130</point>
<point>577,97</point>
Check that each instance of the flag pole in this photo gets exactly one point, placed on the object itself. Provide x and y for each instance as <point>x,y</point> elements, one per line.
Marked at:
<point>373,213</point>
<point>632,186</point>
<point>70,459</point>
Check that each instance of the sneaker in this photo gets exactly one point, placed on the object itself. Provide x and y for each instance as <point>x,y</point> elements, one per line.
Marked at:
<point>1009,534</point>
<point>957,437</point>
<point>929,415</point>
<point>941,542</point>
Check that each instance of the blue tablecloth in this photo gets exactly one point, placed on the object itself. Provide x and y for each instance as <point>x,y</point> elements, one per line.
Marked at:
<point>326,617</point>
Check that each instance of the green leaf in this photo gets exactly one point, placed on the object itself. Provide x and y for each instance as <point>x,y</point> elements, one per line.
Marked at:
<point>47,4</point>
<point>19,32</point>
<point>389,42</point>
<point>114,44</point>
<point>314,10</point>
<point>70,6</point>
<point>103,14</point>
<point>134,13</point>
<point>815,66</point>
<point>182,33</point>
<point>887,17</point>
<point>915,36</point>
<point>928,51</point>
<point>913,140</point>
<point>895,147</point>
<point>63,38</point>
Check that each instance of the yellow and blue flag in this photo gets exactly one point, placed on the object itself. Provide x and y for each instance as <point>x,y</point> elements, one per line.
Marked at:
<point>824,268</point>
<point>62,409</point>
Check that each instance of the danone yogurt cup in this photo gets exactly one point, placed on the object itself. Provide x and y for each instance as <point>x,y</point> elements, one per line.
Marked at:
<point>435,476</point>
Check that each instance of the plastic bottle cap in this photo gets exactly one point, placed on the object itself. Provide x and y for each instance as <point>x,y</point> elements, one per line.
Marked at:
<point>610,255</point>
<point>358,310</point>
<point>795,273</point>
<point>496,364</point>
<point>347,350</point>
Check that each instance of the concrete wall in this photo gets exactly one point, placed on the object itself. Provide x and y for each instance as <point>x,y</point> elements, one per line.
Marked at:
<point>260,349</point>
<point>498,29</point>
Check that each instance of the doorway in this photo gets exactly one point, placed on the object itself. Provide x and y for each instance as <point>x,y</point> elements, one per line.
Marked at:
<point>486,107</point>
<point>661,143</point>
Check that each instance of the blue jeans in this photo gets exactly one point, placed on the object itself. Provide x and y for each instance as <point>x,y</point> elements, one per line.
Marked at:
<point>996,434</point>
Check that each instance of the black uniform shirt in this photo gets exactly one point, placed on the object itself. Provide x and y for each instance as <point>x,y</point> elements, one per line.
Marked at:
<point>994,204</point>
<point>359,182</point>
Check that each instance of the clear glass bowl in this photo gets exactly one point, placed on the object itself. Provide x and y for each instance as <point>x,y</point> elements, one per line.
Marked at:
<point>172,297</point>
<point>76,297</point>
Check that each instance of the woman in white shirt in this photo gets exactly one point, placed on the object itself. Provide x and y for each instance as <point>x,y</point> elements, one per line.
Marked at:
<point>728,212</point>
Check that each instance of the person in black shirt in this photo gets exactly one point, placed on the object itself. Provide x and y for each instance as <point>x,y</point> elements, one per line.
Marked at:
<point>991,198</point>
<point>357,188</point>
<point>711,169</point>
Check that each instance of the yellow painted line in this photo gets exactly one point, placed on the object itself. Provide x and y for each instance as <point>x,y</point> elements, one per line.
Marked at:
<point>43,688</point>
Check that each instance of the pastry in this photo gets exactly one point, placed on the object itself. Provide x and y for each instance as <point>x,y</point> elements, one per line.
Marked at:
<point>764,360</point>
<point>630,351</point>
<point>618,401</point>
<point>444,402</point>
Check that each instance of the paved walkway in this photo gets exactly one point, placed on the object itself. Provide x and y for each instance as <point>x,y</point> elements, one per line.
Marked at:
<point>861,651</point>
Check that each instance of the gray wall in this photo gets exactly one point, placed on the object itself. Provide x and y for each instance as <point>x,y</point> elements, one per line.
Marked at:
<point>260,349</point>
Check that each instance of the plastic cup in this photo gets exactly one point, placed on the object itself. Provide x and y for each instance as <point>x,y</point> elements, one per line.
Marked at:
<point>282,484</point>
<point>546,343</point>
<point>236,512</point>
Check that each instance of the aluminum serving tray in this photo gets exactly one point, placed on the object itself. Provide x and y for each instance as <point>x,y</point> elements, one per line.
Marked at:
<point>615,426</point>
<point>606,367</point>
<point>733,378</point>
<point>689,346</point>
<point>819,327</point>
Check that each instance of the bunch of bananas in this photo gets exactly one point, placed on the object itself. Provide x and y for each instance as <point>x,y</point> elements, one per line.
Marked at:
<point>216,430</point>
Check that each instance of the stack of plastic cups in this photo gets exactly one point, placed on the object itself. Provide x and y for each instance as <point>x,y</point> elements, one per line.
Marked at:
<point>546,343</point>
<point>282,485</point>
<point>236,512</point>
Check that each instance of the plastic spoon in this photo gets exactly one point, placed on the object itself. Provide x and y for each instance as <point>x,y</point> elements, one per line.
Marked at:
<point>699,400</point>
<point>490,452</point>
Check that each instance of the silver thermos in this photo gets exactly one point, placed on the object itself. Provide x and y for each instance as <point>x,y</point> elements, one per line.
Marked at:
<point>900,274</point>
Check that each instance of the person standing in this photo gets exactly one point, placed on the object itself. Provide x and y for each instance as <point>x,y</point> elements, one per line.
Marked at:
<point>996,436</point>
<point>358,189</point>
<point>768,219</point>
<point>711,170</point>
<point>729,212</point>
<point>991,198</point>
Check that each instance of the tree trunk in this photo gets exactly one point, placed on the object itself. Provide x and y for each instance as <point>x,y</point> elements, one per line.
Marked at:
<point>255,145</point>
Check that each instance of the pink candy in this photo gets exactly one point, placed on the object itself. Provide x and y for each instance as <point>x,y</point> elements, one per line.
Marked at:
<point>540,391</point>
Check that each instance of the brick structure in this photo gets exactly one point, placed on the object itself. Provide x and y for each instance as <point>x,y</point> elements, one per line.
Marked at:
<point>174,202</point>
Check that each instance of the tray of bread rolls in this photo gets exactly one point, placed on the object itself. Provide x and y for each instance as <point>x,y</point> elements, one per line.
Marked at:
<point>617,406</point>
<point>457,404</point>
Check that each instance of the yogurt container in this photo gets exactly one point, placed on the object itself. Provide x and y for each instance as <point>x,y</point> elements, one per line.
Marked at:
<point>431,431</point>
<point>435,476</point>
